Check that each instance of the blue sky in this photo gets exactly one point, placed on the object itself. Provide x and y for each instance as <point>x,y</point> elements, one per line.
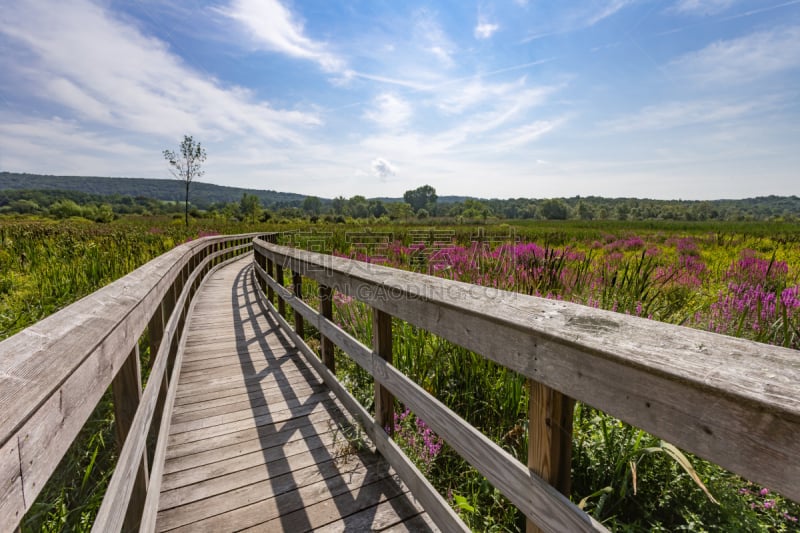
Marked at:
<point>692,99</point>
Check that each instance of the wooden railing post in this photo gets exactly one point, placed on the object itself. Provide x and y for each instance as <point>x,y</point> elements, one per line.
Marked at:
<point>382,345</point>
<point>297,287</point>
<point>279,279</point>
<point>261,260</point>
<point>326,309</point>
<point>549,438</point>
<point>270,290</point>
<point>127,391</point>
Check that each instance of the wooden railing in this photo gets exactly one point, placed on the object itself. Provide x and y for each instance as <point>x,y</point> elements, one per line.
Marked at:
<point>54,373</point>
<point>731,401</point>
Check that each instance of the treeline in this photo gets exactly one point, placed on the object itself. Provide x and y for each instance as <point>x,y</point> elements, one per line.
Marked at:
<point>423,203</point>
<point>204,195</point>
<point>417,204</point>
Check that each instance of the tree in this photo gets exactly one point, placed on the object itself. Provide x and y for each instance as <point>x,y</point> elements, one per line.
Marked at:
<point>554,209</point>
<point>338,204</point>
<point>399,210</point>
<point>250,206</point>
<point>421,198</point>
<point>312,205</point>
<point>358,207</point>
<point>185,165</point>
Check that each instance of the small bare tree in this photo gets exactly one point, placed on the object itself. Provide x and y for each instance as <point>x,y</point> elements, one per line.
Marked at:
<point>185,165</point>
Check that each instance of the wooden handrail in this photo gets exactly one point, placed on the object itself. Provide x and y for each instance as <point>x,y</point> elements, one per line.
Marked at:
<point>54,373</point>
<point>731,401</point>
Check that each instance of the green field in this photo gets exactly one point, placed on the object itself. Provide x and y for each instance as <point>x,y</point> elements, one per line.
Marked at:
<point>734,278</point>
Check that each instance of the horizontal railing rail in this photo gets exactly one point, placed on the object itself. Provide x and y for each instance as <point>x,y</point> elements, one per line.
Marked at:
<point>54,373</point>
<point>731,401</point>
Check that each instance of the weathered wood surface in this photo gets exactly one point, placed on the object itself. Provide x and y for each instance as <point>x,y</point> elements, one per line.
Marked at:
<point>119,491</point>
<point>435,506</point>
<point>532,495</point>
<point>53,374</point>
<point>732,401</point>
<point>256,440</point>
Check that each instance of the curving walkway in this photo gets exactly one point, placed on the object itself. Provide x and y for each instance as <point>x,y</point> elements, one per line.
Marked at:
<point>257,441</point>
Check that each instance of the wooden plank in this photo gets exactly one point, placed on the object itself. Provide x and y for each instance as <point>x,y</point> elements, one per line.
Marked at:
<point>202,402</point>
<point>327,514</point>
<point>198,467</point>
<point>220,424</point>
<point>245,411</point>
<point>231,438</point>
<point>253,405</point>
<point>664,372</point>
<point>211,392</point>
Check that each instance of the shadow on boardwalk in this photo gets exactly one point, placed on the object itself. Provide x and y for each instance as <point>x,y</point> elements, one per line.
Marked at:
<point>258,441</point>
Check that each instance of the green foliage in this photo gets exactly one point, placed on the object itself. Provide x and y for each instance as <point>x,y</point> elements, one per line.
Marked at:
<point>250,207</point>
<point>421,198</point>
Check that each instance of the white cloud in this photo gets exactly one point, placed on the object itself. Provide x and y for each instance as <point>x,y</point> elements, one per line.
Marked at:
<point>526,134</point>
<point>742,60</point>
<point>676,114</point>
<point>575,15</point>
<point>455,99</point>
<point>275,28</point>
<point>703,7</point>
<point>389,111</point>
<point>608,9</point>
<point>131,82</point>
<point>382,169</point>
<point>435,41</point>
<point>485,29</point>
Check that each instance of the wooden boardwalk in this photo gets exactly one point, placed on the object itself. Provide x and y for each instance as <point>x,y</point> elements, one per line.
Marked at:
<point>257,441</point>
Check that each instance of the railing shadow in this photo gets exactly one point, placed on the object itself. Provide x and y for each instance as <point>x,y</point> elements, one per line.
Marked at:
<point>301,500</point>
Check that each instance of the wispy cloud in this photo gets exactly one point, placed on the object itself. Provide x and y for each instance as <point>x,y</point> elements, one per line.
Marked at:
<point>435,41</point>
<point>273,27</point>
<point>742,60</point>
<point>456,100</point>
<point>676,114</point>
<point>526,134</point>
<point>389,111</point>
<point>485,29</point>
<point>579,15</point>
<point>132,82</point>
<point>702,7</point>
<point>595,15</point>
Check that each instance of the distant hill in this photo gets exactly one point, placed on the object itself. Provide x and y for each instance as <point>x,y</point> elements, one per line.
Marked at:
<point>440,199</point>
<point>202,194</point>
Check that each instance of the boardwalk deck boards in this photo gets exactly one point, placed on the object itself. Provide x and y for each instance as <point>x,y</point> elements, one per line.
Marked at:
<point>256,439</point>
